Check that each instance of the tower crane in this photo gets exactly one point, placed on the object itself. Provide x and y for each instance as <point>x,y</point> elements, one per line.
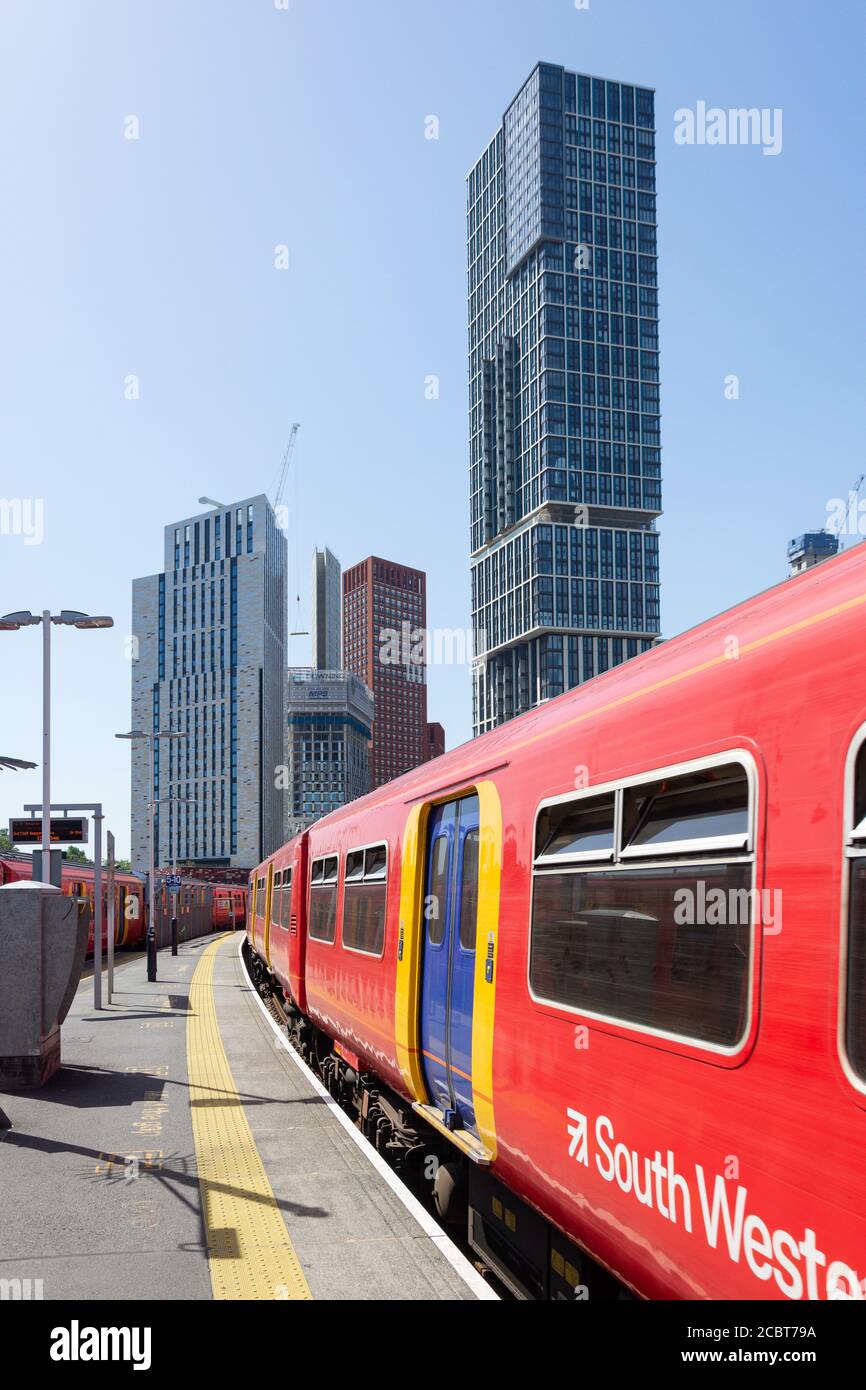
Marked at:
<point>297,629</point>
<point>286,464</point>
<point>853,496</point>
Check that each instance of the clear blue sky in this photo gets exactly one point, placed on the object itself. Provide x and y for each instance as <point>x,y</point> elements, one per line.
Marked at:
<point>260,126</point>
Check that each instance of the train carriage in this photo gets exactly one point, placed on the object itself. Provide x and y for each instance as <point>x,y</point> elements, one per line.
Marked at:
<point>200,907</point>
<point>78,881</point>
<point>611,958</point>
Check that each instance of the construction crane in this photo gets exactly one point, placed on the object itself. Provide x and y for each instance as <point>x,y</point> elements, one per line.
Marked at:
<point>286,464</point>
<point>297,630</point>
<point>853,496</point>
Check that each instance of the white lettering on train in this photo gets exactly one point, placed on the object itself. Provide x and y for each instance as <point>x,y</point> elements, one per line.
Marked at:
<point>799,1267</point>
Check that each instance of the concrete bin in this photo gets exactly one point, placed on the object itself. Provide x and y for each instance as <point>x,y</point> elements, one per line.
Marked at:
<point>43,941</point>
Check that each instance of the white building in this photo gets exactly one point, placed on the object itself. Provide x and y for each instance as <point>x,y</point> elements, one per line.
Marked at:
<point>211,664</point>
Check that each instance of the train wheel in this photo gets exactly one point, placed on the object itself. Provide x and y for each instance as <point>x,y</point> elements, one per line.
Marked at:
<point>450,1194</point>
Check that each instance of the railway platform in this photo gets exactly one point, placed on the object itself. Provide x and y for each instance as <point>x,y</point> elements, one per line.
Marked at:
<point>184,1152</point>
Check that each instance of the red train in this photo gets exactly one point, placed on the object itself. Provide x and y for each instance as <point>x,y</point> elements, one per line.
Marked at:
<point>611,958</point>
<point>201,907</point>
<point>229,907</point>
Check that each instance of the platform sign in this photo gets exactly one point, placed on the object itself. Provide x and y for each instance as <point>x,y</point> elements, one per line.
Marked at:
<point>65,830</point>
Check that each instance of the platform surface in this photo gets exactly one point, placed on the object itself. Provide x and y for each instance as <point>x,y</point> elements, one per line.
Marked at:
<point>180,1153</point>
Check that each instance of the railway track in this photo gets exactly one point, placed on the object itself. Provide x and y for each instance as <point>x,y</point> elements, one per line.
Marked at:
<point>420,1190</point>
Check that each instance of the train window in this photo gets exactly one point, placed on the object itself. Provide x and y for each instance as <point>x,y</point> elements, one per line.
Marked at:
<point>276,894</point>
<point>710,807</point>
<point>364,900</point>
<point>323,899</point>
<point>855,982</point>
<point>469,892</point>
<point>375,861</point>
<point>666,945</point>
<point>437,904</point>
<point>286,903</point>
<point>355,866</point>
<point>260,898</point>
<point>583,830</point>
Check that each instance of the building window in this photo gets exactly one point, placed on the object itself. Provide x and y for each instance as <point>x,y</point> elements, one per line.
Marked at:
<point>664,945</point>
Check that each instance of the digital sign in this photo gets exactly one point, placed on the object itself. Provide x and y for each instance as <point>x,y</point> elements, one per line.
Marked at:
<point>65,830</point>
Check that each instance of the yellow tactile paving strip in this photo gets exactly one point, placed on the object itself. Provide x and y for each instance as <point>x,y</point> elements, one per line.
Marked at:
<point>249,1250</point>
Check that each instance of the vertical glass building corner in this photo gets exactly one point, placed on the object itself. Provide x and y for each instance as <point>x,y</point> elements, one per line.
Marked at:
<point>565,460</point>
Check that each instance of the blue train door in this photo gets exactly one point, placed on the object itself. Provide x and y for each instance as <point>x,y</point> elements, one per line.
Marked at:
<point>448,959</point>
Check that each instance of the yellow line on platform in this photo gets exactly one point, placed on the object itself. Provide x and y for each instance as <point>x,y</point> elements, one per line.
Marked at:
<point>250,1252</point>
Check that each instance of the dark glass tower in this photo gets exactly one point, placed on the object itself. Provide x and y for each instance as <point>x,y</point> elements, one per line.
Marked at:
<point>565,466</point>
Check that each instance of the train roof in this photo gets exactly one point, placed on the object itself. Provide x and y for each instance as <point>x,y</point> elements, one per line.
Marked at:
<point>784,605</point>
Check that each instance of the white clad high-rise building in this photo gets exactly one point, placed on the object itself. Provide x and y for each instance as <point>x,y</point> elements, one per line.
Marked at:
<point>211,665</point>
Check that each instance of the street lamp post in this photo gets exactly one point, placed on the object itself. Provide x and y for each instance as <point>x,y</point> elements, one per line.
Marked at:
<point>150,938</point>
<point>67,617</point>
<point>175,801</point>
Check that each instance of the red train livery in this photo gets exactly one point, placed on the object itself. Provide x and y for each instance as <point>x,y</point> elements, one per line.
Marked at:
<point>78,881</point>
<point>201,907</point>
<point>611,957</point>
<point>229,907</point>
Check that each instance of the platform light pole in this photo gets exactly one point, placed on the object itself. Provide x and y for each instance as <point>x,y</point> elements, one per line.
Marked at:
<point>134,735</point>
<point>175,801</point>
<point>67,617</point>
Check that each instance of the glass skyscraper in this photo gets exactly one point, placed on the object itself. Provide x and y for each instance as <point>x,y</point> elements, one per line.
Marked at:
<point>565,464</point>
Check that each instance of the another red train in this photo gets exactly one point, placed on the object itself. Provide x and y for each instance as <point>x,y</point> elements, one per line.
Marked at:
<point>229,907</point>
<point>611,959</point>
<point>201,907</point>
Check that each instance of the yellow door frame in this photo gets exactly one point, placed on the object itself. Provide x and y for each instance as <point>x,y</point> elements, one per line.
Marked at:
<point>407,1001</point>
<point>269,888</point>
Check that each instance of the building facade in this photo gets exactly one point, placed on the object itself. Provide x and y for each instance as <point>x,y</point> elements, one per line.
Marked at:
<point>384,642</point>
<point>565,463</point>
<point>327,611</point>
<point>435,741</point>
<point>810,549</point>
<point>329,716</point>
<point>210,664</point>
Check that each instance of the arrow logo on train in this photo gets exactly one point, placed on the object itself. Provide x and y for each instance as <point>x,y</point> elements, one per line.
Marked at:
<point>578,1149</point>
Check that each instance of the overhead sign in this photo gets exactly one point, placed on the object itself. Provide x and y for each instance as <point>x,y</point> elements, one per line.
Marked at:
<point>65,830</point>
